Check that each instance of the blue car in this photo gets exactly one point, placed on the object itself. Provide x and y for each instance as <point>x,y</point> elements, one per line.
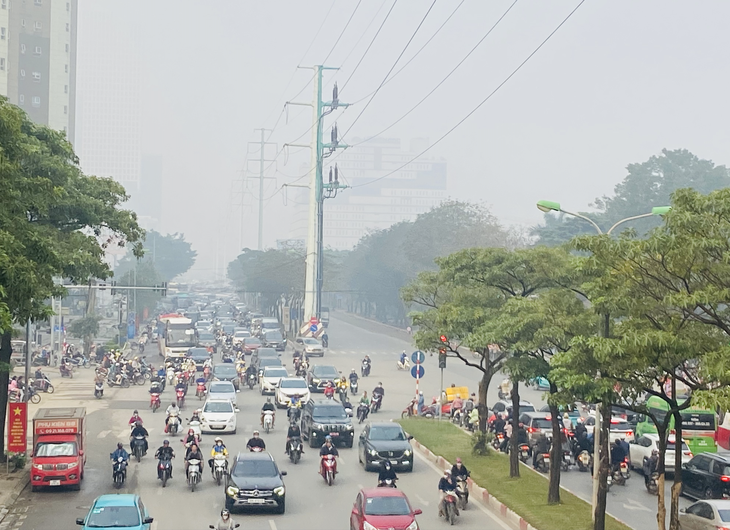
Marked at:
<point>117,511</point>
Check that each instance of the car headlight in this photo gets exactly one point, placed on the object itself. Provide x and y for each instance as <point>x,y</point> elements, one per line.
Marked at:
<point>368,526</point>
<point>232,420</point>
<point>412,526</point>
<point>72,464</point>
<point>232,491</point>
<point>39,467</point>
<point>279,491</point>
<point>373,452</point>
<point>349,427</point>
<point>316,426</point>
<point>407,452</point>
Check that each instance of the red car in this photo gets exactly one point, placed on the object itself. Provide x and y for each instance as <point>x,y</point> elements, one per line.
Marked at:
<point>383,509</point>
<point>251,344</point>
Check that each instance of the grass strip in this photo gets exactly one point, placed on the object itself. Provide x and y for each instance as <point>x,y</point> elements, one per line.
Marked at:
<point>526,495</point>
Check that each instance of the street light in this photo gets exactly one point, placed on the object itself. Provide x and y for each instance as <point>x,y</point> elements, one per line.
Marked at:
<point>552,206</point>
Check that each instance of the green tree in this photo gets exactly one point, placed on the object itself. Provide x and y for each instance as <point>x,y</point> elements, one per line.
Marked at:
<point>54,222</point>
<point>144,274</point>
<point>86,328</point>
<point>271,273</point>
<point>169,255</point>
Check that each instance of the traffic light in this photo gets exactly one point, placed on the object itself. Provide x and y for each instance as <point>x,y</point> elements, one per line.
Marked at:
<point>444,339</point>
<point>442,358</point>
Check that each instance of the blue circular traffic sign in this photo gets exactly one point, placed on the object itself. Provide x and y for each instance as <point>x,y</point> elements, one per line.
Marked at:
<point>418,357</point>
<point>313,328</point>
<point>418,371</point>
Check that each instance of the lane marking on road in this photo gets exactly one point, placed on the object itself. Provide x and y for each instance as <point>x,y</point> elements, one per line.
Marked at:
<point>489,513</point>
<point>272,524</point>
<point>635,505</point>
<point>103,434</point>
<point>422,500</point>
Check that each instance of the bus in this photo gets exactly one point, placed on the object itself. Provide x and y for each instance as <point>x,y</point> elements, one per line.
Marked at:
<point>177,336</point>
<point>699,426</point>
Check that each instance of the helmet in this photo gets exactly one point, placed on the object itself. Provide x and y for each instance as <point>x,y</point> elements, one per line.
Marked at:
<point>256,433</point>
<point>352,371</point>
<point>218,439</point>
<point>135,412</point>
<point>268,400</point>
<point>386,464</point>
<point>166,442</point>
<point>328,439</point>
<point>225,513</point>
<point>120,445</point>
<point>655,452</point>
<point>447,471</point>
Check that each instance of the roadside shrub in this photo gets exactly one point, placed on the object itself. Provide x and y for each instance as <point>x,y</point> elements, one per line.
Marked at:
<point>480,443</point>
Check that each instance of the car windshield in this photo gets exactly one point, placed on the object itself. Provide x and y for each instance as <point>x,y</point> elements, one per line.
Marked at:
<point>274,335</point>
<point>56,449</point>
<point>228,330</point>
<point>671,446</point>
<point>387,433</point>
<point>269,362</point>
<point>198,353</point>
<point>206,336</point>
<point>255,468</point>
<point>225,370</point>
<point>218,388</point>
<point>267,352</point>
<point>242,334</point>
<point>724,515</point>
<point>252,341</point>
<point>326,371</point>
<point>113,517</point>
<point>311,342</point>
<point>386,506</point>
<point>204,324</point>
<point>218,406</point>
<point>540,423</point>
<point>525,408</point>
<point>275,372</point>
<point>293,383</point>
<point>329,411</point>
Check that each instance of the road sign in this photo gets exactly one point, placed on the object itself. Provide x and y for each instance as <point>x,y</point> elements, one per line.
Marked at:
<point>17,427</point>
<point>417,371</point>
<point>313,321</point>
<point>313,328</point>
<point>418,357</point>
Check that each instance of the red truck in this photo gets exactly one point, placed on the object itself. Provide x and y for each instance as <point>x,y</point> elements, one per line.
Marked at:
<point>59,441</point>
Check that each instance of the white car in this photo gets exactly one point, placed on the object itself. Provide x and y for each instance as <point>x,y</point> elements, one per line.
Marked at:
<point>223,390</point>
<point>239,335</point>
<point>270,378</point>
<point>644,445</point>
<point>620,429</point>
<point>218,415</point>
<point>289,387</point>
<point>309,346</point>
<point>711,514</point>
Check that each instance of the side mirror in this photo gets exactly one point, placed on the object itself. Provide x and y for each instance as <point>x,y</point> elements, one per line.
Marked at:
<point>81,452</point>
<point>283,473</point>
<point>211,526</point>
<point>148,520</point>
<point>417,511</point>
<point>80,522</point>
<point>236,525</point>
<point>410,437</point>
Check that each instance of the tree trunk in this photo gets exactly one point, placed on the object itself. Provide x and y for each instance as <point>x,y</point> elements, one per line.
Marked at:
<point>556,454</point>
<point>487,375</point>
<point>600,514</point>
<point>677,485</point>
<point>5,352</point>
<point>661,511</point>
<point>514,455</point>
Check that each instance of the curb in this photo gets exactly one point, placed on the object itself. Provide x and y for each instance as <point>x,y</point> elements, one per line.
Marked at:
<point>14,494</point>
<point>491,502</point>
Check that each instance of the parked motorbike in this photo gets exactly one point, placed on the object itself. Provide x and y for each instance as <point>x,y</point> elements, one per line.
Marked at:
<point>295,450</point>
<point>99,389</point>
<point>376,402</point>
<point>193,473</point>
<point>220,468</point>
<point>329,469</point>
<point>119,472</point>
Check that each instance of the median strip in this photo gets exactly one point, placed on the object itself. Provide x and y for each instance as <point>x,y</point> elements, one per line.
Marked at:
<point>522,501</point>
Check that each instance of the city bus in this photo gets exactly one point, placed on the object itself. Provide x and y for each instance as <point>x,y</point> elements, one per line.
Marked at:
<point>177,335</point>
<point>699,426</point>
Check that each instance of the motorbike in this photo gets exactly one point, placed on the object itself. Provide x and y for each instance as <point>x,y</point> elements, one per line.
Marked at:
<point>652,483</point>
<point>405,365</point>
<point>295,450</point>
<point>173,424</point>
<point>170,375</point>
<point>251,380</point>
<point>376,402</point>
<point>353,387</point>
<point>195,426</point>
<point>462,492</point>
<point>585,461</point>
<point>294,413</point>
<point>255,449</point>
<point>342,393</point>
<point>154,401</point>
<point>450,507</point>
<point>497,441</point>
<point>268,421</point>
<point>457,418</point>
<point>543,462</point>
<point>387,483</point>
<point>235,525</point>
<point>207,373</point>
<point>362,412</point>
<point>123,382</point>
<point>193,473</point>
<point>119,472</point>
<point>410,409</point>
<point>220,467</point>
<point>66,370</point>
<point>180,395</point>
<point>348,408</point>
<point>325,342</point>
<point>164,470</point>
<point>524,452</point>
<point>200,391</point>
<point>618,476</point>
<point>138,378</point>
<point>365,369</point>
<point>624,467</point>
<point>329,392</point>
<point>138,447</point>
<point>99,389</point>
<point>329,469</point>
<point>567,460</point>
<point>43,384</point>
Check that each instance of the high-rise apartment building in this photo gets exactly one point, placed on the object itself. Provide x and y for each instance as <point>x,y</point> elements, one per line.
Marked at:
<point>374,202</point>
<point>38,60</point>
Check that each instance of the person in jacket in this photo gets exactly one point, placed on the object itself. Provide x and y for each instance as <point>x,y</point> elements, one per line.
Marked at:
<point>386,472</point>
<point>458,470</point>
<point>219,448</point>
<point>446,485</point>
<point>193,454</point>
<point>255,442</point>
<point>164,452</point>
<point>542,446</point>
<point>139,430</point>
<point>294,432</point>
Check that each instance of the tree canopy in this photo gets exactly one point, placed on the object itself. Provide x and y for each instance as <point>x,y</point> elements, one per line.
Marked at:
<point>170,255</point>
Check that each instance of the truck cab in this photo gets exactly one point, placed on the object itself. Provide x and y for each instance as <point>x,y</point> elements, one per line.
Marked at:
<point>58,459</point>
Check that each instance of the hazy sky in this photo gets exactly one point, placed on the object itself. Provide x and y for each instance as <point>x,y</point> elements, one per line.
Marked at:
<point>617,83</point>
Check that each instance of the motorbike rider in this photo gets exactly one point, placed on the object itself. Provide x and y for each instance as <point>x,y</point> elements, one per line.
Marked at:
<point>219,448</point>
<point>457,404</point>
<point>295,409</point>
<point>325,340</point>
<point>353,377</point>
<point>366,360</point>
<point>181,385</point>
<point>498,424</point>
<point>618,454</point>
<point>173,409</point>
<point>39,374</point>
<point>255,442</point>
<point>446,484</point>
<point>650,465</point>
<point>120,451</point>
<point>251,370</point>
<point>386,472</point>
<point>139,430</point>
<point>522,437</point>
<point>379,391</point>
<point>403,358</point>
<point>542,446</point>
<point>327,449</point>
<point>294,432</point>
<point>193,453</point>
<point>458,470</point>
<point>134,419</point>
<point>268,406</point>
<point>190,439</point>
<point>504,387</point>
<point>164,452</point>
<point>329,390</point>
<point>225,522</point>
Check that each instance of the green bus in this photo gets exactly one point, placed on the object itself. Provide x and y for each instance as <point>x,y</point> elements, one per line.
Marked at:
<point>699,426</point>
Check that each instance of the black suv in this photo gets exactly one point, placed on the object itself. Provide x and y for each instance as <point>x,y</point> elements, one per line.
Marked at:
<point>274,339</point>
<point>385,441</point>
<point>321,374</point>
<point>226,372</point>
<point>705,476</point>
<point>326,417</point>
<point>255,480</point>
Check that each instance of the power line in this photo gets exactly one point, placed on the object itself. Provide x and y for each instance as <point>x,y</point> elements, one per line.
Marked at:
<point>362,35</point>
<point>371,43</point>
<point>481,103</point>
<point>342,32</point>
<point>413,36</point>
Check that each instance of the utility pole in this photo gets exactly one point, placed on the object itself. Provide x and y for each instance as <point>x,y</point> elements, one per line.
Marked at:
<point>262,158</point>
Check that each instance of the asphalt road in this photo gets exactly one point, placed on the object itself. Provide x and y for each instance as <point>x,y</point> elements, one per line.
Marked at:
<point>310,502</point>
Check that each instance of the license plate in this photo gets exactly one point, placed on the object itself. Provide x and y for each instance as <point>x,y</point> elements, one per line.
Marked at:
<point>256,501</point>
<point>55,483</point>
<point>393,461</point>
<point>334,434</point>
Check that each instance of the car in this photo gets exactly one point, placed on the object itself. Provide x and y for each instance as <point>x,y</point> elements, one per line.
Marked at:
<point>199,355</point>
<point>643,446</point>
<point>207,340</point>
<point>383,509</point>
<point>274,339</point>
<point>537,423</point>
<point>219,415</point>
<point>117,511</point>
<point>223,390</point>
<point>380,442</point>
<point>326,417</point>
<point>706,515</point>
<point>203,325</point>
<point>288,388</point>
<point>267,362</point>
<point>255,481</point>
<point>618,430</point>
<point>226,372</point>
<point>239,335</point>
<point>250,344</point>
<point>270,378</point>
<point>308,346</point>
<point>263,353</point>
<point>506,406</point>
<point>319,375</point>
<point>706,476</point>
<point>229,328</point>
